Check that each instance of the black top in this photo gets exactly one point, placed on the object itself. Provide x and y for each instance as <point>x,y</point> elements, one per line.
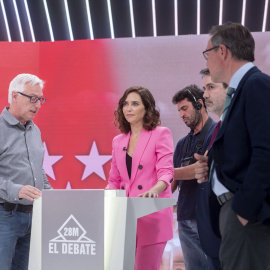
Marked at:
<point>186,205</point>
<point>129,164</point>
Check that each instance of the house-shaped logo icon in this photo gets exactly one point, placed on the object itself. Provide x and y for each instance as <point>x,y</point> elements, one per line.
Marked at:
<point>71,239</point>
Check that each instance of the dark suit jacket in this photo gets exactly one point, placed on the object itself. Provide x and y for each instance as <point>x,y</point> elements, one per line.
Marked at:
<point>242,148</point>
<point>208,220</point>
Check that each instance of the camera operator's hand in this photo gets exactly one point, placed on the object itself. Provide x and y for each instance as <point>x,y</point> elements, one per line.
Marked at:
<point>201,168</point>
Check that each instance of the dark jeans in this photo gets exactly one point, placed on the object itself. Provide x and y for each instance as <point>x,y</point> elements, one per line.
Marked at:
<point>194,257</point>
<point>15,228</point>
<point>243,247</point>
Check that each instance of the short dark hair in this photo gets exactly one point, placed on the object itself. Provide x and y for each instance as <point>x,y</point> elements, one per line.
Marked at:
<point>236,37</point>
<point>206,72</point>
<point>185,93</point>
<point>152,116</point>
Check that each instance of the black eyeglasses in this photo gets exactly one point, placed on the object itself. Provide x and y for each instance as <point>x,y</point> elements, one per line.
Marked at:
<point>205,53</point>
<point>34,99</point>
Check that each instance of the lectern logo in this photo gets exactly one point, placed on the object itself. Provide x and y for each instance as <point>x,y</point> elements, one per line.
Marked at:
<point>71,239</point>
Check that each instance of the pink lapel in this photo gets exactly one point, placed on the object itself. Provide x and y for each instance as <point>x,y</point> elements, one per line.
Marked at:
<point>141,145</point>
<point>123,144</point>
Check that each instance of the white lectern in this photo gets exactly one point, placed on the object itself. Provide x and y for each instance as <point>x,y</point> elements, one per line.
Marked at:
<point>87,229</point>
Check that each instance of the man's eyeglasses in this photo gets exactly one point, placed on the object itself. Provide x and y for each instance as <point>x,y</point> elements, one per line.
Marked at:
<point>205,53</point>
<point>34,99</point>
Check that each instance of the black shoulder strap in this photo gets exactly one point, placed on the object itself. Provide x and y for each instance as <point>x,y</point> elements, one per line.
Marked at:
<point>203,134</point>
<point>186,145</point>
<point>200,139</point>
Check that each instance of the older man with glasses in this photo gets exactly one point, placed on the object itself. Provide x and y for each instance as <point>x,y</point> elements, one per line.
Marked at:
<point>21,173</point>
<point>239,165</point>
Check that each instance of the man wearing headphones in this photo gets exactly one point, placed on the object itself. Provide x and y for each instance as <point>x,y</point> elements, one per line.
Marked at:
<point>192,109</point>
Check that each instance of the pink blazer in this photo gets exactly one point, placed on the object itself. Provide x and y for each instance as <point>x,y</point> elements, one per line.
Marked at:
<point>152,161</point>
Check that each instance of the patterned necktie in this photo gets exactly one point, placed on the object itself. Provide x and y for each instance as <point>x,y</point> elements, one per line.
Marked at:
<point>227,102</point>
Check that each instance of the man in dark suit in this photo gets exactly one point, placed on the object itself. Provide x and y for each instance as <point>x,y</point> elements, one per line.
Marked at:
<point>214,96</point>
<point>241,152</point>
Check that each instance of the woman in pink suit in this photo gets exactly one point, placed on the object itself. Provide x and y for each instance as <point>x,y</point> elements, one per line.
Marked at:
<point>142,164</point>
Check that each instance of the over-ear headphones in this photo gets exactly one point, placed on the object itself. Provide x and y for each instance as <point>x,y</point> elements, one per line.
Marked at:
<point>197,105</point>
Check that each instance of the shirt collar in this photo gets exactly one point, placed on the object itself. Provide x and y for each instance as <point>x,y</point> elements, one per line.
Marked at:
<point>192,132</point>
<point>12,120</point>
<point>239,74</point>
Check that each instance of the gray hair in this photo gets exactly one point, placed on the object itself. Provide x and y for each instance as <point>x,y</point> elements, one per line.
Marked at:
<point>237,38</point>
<point>19,82</point>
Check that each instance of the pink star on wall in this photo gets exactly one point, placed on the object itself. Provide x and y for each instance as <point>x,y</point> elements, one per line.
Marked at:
<point>68,186</point>
<point>49,161</point>
<point>94,162</point>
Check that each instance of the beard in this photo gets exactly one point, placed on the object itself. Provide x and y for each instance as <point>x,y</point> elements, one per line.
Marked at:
<point>215,107</point>
<point>194,120</point>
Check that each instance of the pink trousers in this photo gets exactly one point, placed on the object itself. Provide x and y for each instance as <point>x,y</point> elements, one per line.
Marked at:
<point>149,257</point>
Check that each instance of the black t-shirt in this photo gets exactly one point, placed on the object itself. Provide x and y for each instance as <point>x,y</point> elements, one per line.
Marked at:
<point>186,205</point>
